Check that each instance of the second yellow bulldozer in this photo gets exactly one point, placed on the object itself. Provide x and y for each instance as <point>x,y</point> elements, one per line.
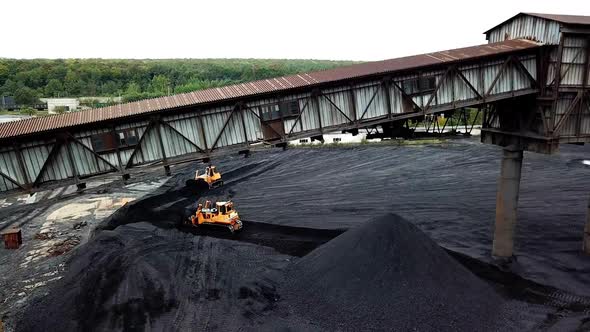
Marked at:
<point>210,179</point>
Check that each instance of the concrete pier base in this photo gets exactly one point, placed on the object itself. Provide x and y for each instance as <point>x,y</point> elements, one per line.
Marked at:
<point>507,202</point>
<point>586,246</point>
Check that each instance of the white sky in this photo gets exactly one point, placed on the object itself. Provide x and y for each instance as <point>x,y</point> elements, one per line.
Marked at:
<point>296,29</point>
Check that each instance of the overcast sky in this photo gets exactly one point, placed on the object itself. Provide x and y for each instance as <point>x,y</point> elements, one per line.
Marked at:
<point>297,29</point>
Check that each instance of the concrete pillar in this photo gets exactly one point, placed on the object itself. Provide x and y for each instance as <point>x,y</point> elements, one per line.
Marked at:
<point>507,202</point>
<point>587,231</point>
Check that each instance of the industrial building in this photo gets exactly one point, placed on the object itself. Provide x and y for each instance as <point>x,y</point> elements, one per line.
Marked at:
<point>530,82</point>
<point>68,104</point>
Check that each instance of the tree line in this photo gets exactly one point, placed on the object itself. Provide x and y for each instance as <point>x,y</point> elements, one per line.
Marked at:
<point>29,80</point>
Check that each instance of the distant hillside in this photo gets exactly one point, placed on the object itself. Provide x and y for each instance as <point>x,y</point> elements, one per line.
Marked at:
<point>28,80</point>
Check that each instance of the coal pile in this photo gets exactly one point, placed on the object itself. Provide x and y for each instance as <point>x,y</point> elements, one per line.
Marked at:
<point>143,278</point>
<point>389,275</point>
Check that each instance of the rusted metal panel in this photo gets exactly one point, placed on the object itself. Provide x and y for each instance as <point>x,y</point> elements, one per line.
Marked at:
<point>567,19</point>
<point>12,238</point>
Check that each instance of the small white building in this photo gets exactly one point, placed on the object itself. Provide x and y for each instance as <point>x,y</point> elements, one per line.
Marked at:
<point>333,138</point>
<point>71,104</point>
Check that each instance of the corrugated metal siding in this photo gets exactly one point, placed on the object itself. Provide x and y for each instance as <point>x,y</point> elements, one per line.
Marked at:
<point>370,99</point>
<point>453,89</point>
<point>553,55</point>
<point>234,131</point>
<point>570,127</point>
<point>253,126</point>
<point>291,123</point>
<point>112,158</point>
<point>9,166</point>
<point>174,144</point>
<point>462,90</point>
<point>60,168</point>
<point>213,121</point>
<point>563,104</point>
<point>188,126</point>
<point>507,82</point>
<point>543,30</point>
<point>331,116</point>
<point>309,118</point>
<point>125,155</point>
<point>87,163</point>
<point>396,99</point>
<point>34,158</point>
<point>530,65</point>
<point>473,75</point>
<point>585,123</point>
<point>573,60</point>
<point>149,148</point>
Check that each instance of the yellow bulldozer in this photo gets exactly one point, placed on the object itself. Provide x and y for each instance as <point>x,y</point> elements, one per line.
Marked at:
<point>219,214</point>
<point>210,179</point>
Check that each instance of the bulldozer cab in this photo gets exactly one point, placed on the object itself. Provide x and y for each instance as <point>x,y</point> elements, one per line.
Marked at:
<point>209,171</point>
<point>225,207</point>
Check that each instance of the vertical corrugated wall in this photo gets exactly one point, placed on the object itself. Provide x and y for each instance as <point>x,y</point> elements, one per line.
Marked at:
<point>540,29</point>
<point>573,60</point>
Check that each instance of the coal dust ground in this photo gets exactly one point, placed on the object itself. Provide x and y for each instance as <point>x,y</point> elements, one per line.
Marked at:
<point>294,267</point>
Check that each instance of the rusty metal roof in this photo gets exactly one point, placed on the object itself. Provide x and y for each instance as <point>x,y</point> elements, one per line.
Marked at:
<point>565,19</point>
<point>272,85</point>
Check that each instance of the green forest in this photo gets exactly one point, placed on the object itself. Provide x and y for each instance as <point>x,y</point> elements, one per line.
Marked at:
<point>28,80</point>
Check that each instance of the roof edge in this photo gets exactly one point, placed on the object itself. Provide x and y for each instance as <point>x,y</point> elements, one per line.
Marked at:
<point>559,18</point>
<point>504,22</point>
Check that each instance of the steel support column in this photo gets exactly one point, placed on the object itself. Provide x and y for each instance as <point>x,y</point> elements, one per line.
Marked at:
<point>22,167</point>
<point>122,170</point>
<point>586,245</point>
<point>507,202</point>
<point>157,128</point>
<point>315,104</point>
<point>79,184</point>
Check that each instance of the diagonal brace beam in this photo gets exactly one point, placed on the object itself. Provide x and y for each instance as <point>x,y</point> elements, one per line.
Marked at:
<point>96,155</point>
<point>166,124</point>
